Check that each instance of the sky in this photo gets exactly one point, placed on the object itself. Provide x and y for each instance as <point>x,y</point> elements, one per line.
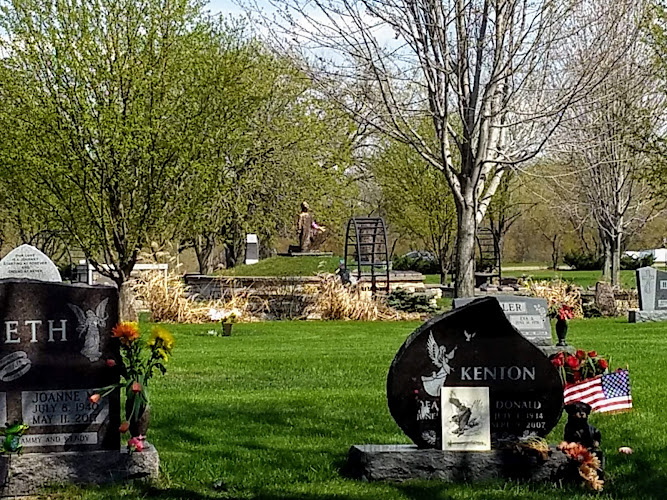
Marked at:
<point>230,6</point>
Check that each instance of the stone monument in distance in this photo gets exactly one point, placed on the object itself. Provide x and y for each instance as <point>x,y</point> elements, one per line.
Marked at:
<point>652,291</point>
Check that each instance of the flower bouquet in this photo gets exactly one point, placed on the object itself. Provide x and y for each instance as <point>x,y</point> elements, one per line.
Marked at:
<point>227,317</point>
<point>580,366</point>
<point>562,313</point>
<point>136,369</point>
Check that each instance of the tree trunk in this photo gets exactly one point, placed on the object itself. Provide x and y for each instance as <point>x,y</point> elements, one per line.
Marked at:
<point>203,250</point>
<point>606,248</point>
<point>555,252</point>
<point>616,260</point>
<point>126,307</point>
<point>465,252</point>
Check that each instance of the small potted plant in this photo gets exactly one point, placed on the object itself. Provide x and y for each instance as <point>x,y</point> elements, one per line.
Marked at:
<point>11,445</point>
<point>562,313</point>
<point>227,318</point>
<point>136,370</point>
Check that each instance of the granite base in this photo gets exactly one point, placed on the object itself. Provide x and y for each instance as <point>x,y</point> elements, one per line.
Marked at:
<point>553,349</point>
<point>637,316</point>
<point>31,471</point>
<point>404,462</point>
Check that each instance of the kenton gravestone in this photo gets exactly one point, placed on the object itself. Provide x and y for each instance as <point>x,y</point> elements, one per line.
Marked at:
<point>473,346</point>
<point>529,315</point>
<point>28,262</point>
<point>55,339</point>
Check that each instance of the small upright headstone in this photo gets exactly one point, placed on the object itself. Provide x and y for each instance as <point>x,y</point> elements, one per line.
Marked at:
<point>529,315</point>
<point>28,262</point>
<point>252,249</point>
<point>652,291</point>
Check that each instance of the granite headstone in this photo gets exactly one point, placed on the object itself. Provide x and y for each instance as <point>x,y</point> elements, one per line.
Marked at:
<point>473,346</point>
<point>652,286</point>
<point>252,249</point>
<point>28,262</point>
<point>55,339</point>
<point>527,314</point>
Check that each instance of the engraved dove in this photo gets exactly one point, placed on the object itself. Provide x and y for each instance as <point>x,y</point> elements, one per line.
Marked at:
<point>90,323</point>
<point>469,336</point>
<point>440,358</point>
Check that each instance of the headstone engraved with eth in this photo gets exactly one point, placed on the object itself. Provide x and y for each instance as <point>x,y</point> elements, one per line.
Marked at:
<point>652,292</point>
<point>464,382</point>
<point>55,341</point>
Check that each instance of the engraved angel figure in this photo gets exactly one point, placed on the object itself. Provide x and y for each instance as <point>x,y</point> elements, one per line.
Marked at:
<point>90,323</point>
<point>440,358</point>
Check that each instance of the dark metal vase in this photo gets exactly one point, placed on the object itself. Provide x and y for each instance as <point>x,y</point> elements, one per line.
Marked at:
<point>561,331</point>
<point>227,329</point>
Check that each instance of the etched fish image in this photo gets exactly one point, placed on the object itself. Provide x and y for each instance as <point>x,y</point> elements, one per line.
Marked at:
<point>89,323</point>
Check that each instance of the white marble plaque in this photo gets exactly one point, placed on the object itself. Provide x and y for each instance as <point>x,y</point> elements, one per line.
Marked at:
<point>64,407</point>
<point>27,261</point>
<point>466,418</point>
<point>662,304</point>
<point>526,321</point>
<point>68,438</point>
<point>663,284</point>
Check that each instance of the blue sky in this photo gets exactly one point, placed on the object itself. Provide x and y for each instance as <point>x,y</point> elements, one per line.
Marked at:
<point>230,7</point>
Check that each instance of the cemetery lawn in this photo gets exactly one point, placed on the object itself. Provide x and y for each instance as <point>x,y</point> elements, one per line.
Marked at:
<point>271,412</point>
<point>285,266</point>
<point>583,279</point>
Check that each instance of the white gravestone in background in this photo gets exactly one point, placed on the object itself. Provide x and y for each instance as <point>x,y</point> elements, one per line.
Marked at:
<point>28,262</point>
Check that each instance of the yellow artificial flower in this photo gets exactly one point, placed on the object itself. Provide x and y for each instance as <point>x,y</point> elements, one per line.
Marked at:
<point>162,339</point>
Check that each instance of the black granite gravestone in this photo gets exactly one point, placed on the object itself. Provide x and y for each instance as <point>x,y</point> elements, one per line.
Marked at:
<point>55,340</point>
<point>473,346</point>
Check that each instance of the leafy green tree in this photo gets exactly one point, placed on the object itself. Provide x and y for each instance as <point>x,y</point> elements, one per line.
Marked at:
<point>416,200</point>
<point>273,143</point>
<point>95,103</point>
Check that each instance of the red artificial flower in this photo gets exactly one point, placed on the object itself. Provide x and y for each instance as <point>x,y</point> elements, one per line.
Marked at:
<point>136,387</point>
<point>572,362</point>
<point>593,354</point>
<point>603,364</point>
<point>581,354</point>
<point>565,313</point>
<point>94,398</point>
<point>576,376</point>
<point>136,444</point>
<point>110,362</point>
<point>124,427</point>
<point>557,361</point>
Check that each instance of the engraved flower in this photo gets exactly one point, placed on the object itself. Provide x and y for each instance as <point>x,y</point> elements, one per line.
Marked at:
<point>126,331</point>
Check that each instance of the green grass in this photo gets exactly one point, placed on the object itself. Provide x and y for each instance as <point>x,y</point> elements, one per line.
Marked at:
<point>584,279</point>
<point>271,412</point>
<point>285,266</point>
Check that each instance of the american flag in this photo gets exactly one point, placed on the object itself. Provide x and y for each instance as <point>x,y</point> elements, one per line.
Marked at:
<point>604,393</point>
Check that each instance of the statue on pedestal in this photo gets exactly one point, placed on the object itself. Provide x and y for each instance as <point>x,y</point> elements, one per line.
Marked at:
<point>304,227</point>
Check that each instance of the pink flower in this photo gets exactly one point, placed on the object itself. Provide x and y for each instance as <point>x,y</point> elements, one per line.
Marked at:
<point>94,398</point>
<point>136,387</point>
<point>110,363</point>
<point>124,427</point>
<point>136,444</point>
